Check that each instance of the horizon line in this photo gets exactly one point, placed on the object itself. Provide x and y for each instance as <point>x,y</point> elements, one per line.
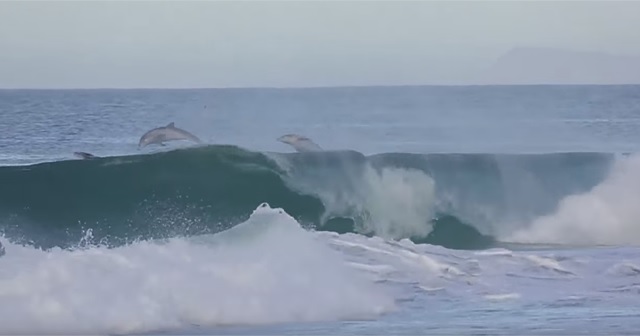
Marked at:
<point>301,87</point>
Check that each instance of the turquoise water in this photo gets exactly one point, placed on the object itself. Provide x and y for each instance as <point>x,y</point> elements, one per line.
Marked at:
<point>437,210</point>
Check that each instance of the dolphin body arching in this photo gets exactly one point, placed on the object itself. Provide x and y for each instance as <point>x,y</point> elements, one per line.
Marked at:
<point>163,134</point>
<point>300,143</point>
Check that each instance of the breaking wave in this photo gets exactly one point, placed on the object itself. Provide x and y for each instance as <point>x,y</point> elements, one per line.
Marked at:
<point>255,273</point>
<point>465,201</point>
<point>607,214</point>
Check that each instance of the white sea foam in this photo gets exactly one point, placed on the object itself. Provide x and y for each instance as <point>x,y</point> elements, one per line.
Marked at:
<point>263,271</point>
<point>391,203</point>
<point>502,297</point>
<point>399,202</point>
<point>607,214</point>
<point>269,270</point>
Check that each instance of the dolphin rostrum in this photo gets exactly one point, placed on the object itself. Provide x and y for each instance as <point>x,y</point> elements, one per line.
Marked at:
<point>84,155</point>
<point>299,143</point>
<point>166,133</point>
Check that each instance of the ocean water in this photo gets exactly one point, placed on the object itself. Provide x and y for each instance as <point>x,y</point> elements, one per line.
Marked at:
<point>431,210</point>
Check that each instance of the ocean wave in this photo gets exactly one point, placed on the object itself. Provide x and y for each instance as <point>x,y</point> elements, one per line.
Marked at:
<point>265,270</point>
<point>269,270</point>
<point>607,214</point>
<point>453,200</point>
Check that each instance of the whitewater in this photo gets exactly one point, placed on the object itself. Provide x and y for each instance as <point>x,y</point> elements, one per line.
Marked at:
<point>433,210</point>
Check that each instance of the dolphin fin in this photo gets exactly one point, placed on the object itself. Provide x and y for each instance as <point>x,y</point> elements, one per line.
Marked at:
<point>84,155</point>
<point>171,125</point>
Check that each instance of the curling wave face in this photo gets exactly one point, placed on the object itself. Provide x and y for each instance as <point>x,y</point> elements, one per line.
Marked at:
<point>454,200</point>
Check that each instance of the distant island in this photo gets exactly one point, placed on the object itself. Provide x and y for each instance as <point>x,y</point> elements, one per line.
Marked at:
<point>557,66</point>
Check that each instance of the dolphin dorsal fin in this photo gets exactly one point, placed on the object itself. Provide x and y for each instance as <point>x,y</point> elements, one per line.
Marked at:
<point>171,125</point>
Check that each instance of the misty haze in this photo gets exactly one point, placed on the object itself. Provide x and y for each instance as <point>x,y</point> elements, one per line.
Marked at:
<point>298,44</point>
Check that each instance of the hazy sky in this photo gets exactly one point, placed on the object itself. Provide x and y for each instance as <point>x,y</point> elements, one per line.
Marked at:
<point>287,43</point>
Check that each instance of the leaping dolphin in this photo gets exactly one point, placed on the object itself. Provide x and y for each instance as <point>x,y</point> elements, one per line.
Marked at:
<point>299,143</point>
<point>166,133</point>
<point>84,155</point>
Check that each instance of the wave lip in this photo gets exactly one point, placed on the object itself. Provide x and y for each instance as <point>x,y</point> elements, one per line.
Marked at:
<point>265,270</point>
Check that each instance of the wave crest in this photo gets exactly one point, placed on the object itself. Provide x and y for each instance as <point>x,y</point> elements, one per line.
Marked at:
<point>454,200</point>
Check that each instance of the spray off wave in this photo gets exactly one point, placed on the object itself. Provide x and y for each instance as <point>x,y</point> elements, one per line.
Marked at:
<point>608,214</point>
<point>265,270</point>
<point>387,201</point>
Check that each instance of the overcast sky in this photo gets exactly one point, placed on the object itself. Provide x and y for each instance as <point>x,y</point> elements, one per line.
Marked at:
<point>303,43</point>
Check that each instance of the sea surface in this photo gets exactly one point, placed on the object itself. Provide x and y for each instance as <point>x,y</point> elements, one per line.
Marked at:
<point>471,210</point>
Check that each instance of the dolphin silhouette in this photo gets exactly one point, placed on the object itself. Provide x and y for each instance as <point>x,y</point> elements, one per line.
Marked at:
<point>162,134</point>
<point>299,143</point>
<point>84,155</point>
